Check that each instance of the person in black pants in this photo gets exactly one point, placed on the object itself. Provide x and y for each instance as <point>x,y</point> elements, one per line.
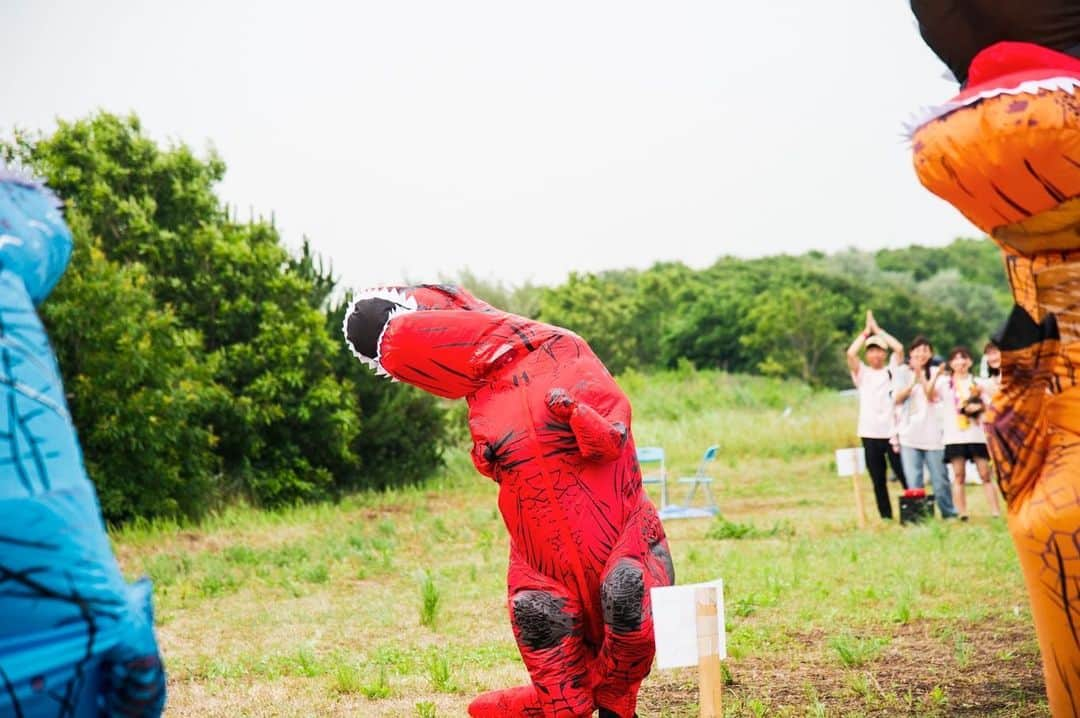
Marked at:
<point>874,380</point>
<point>878,452</point>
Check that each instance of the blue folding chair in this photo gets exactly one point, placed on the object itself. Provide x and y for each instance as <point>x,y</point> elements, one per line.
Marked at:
<point>653,469</point>
<point>703,479</point>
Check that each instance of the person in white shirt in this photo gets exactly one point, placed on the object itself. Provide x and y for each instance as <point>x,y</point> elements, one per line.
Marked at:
<point>876,426</point>
<point>991,362</point>
<point>922,440</point>
<point>964,399</point>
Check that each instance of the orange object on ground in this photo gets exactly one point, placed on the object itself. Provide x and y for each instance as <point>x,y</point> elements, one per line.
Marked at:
<point>1006,153</point>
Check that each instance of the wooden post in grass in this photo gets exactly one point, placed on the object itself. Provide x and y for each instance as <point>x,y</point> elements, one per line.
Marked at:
<point>709,675</point>
<point>856,478</point>
<point>847,463</point>
<point>688,624</point>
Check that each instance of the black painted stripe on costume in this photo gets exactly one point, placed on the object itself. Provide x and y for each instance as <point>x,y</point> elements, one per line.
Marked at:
<point>419,371</point>
<point>452,370</point>
<point>29,544</point>
<point>1065,682</point>
<point>524,337</point>
<point>1056,194</point>
<point>1066,606</point>
<point>20,470</point>
<point>35,453</point>
<point>954,176</point>
<point>11,692</point>
<point>1010,201</point>
<point>431,386</point>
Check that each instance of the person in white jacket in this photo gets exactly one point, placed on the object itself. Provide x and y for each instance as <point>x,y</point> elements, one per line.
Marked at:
<point>921,429</point>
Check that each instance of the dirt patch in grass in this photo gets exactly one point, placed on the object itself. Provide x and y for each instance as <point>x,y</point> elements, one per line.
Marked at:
<point>927,668</point>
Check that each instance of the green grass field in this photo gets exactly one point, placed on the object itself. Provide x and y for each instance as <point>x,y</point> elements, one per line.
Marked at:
<point>393,604</point>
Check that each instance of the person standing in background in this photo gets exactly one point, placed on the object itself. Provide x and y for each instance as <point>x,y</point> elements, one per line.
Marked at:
<point>921,430</point>
<point>991,363</point>
<point>873,380</point>
<point>964,400</point>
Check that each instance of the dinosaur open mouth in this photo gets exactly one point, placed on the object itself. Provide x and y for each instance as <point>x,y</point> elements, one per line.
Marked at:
<point>1014,84</point>
<point>1007,68</point>
<point>366,321</point>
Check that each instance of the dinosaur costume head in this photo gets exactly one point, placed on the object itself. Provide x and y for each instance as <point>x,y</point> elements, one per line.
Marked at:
<point>439,338</point>
<point>1009,182</point>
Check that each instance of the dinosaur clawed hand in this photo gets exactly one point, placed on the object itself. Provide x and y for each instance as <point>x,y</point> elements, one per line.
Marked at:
<point>561,403</point>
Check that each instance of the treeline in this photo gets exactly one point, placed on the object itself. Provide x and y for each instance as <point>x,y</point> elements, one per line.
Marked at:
<point>204,361</point>
<point>789,316</point>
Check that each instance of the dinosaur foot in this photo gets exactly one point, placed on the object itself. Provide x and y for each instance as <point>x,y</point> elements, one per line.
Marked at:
<point>519,702</point>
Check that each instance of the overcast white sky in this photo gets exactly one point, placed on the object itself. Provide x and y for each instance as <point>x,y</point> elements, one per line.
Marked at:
<point>520,140</point>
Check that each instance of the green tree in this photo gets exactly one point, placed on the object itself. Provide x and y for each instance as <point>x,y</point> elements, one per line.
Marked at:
<point>600,310</point>
<point>797,333</point>
<point>978,303</point>
<point>284,421</point>
<point>283,430</point>
<point>523,299</point>
<point>138,385</point>
<point>707,329</point>
<point>977,260</point>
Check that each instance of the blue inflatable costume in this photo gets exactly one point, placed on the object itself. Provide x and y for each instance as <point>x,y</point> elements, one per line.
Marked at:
<point>76,641</point>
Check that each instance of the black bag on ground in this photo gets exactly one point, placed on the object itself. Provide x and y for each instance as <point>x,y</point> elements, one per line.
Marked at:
<point>914,509</point>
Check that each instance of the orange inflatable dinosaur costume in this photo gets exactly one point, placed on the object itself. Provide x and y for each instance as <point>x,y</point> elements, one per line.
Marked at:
<point>1006,153</point>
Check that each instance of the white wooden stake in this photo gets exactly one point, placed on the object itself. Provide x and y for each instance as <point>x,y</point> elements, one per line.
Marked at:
<point>709,674</point>
<point>860,511</point>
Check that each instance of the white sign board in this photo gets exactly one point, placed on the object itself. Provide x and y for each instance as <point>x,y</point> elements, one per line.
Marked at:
<point>848,459</point>
<point>675,623</point>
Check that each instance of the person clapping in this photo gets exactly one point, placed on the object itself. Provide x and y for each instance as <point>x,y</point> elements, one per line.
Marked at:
<point>876,426</point>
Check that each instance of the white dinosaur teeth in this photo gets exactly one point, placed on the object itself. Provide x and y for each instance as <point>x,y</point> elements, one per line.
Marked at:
<point>405,304</point>
<point>1029,87</point>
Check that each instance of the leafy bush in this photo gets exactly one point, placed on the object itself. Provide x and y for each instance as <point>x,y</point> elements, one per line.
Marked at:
<point>138,386</point>
<point>203,361</point>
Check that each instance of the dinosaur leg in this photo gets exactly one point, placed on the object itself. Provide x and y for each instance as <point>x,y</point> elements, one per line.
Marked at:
<point>1034,435</point>
<point>640,561</point>
<point>1046,531</point>
<point>547,626</point>
<point>628,648</point>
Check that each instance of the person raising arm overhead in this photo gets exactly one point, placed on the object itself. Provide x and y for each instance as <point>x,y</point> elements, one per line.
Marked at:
<point>876,425</point>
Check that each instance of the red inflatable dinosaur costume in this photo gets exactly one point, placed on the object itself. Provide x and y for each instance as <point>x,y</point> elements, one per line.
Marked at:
<point>552,428</point>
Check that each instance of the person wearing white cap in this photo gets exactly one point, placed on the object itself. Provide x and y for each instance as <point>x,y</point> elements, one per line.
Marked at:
<point>877,417</point>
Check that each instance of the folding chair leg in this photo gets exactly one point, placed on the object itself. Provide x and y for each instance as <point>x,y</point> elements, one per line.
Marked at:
<point>709,496</point>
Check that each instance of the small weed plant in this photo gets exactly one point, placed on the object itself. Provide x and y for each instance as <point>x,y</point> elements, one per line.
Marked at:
<point>429,600</point>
